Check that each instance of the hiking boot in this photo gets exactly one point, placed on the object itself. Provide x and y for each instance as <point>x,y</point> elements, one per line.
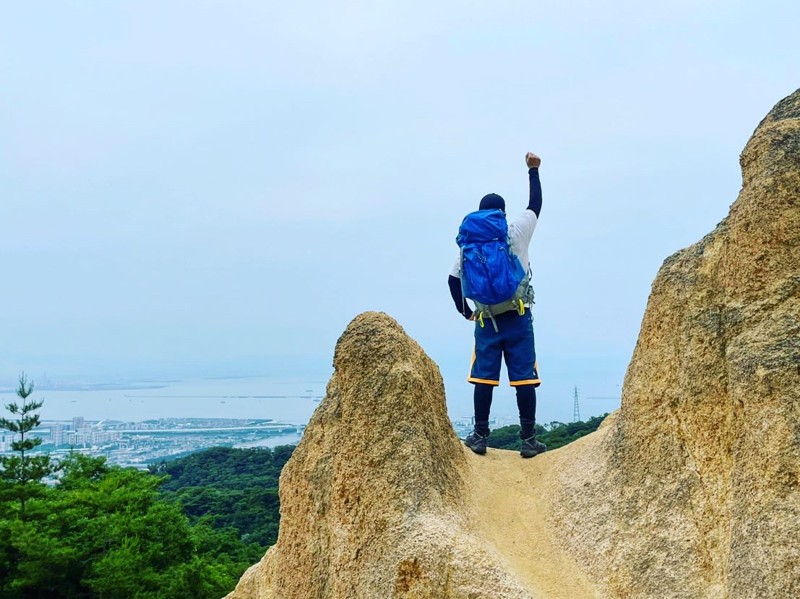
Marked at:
<point>531,447</point>
<point>476,442</point>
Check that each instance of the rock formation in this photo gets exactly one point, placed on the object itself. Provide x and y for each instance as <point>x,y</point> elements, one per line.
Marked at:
<point>372,501</point>
<point>691,489</point>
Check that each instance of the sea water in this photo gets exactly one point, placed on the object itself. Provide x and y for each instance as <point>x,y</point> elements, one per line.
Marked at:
<point>281,400</point>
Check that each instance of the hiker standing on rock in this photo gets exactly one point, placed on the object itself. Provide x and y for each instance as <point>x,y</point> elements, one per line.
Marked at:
<point>493,270</point>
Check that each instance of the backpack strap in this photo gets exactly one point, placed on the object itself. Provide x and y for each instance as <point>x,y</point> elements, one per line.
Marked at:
<point>483,309</point>
<point>522,297</point>
<point>461,279</point>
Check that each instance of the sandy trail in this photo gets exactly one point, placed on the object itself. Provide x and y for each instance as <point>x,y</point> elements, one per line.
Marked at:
<point>509,502</point>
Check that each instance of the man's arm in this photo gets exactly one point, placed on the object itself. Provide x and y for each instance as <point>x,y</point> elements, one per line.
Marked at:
<point>455,291</point>
<point>535,199</point>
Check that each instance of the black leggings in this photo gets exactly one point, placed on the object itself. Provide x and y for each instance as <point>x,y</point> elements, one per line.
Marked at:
<point>526,403</point>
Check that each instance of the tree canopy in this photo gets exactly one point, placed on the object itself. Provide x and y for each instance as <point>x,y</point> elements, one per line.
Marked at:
<point>230,488</point>
<point>21,474</point>
<point>186,529</point>
<point>553,434</point>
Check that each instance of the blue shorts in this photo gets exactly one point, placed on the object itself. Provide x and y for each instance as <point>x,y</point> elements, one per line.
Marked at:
<point>512,341</point>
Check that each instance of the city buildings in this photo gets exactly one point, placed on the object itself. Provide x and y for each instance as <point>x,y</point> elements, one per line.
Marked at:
<point>139,444</point>
<point>142,443</point>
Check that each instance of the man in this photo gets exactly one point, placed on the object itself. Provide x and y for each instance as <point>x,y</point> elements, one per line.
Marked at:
<point>512,338</point>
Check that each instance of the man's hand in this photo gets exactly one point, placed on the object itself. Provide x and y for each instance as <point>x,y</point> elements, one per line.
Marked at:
<point>532,160</point>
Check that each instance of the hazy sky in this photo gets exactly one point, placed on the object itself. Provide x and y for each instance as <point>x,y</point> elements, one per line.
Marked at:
<point>210,188</point>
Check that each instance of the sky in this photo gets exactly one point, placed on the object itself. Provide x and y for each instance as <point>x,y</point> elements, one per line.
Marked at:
<point>193,189</point>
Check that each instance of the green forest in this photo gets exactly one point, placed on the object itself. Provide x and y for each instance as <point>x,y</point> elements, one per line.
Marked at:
<point>230,490</point>
<point>105,531</point>
<point>554,434</point>
<point>81,528</point>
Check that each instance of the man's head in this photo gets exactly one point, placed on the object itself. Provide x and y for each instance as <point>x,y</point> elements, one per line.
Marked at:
<point>492,201</point>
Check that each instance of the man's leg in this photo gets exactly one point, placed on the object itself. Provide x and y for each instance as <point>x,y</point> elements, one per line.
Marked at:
<point>477,439</point>
<point>485,375</point>
<point>483,402</point>
<point>526,402</point>
<point>523,375</point>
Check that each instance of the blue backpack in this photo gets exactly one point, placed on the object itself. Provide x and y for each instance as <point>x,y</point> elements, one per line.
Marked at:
<point>491,274</point>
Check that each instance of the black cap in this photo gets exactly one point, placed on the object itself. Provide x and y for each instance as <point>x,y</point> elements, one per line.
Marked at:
<point>492,201</point>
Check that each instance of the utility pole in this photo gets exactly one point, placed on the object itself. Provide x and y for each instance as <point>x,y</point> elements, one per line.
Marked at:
<point>576,412</point>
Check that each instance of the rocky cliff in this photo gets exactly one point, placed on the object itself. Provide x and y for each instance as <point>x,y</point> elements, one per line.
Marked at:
<point>691,489</point>
<point>694,489</point>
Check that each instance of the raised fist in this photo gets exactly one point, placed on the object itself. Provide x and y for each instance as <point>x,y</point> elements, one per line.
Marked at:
<point>532,160</point>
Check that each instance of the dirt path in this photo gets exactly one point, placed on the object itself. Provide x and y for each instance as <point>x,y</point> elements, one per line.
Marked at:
<point>509,509</point>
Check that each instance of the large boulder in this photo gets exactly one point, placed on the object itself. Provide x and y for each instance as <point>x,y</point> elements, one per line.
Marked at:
<point>373,498</point>
<point>693,489</point>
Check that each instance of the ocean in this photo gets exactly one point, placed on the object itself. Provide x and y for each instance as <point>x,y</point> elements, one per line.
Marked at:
<point>289,401</point>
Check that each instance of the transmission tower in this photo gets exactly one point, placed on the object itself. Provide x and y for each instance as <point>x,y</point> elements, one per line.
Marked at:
<point>576,412</point>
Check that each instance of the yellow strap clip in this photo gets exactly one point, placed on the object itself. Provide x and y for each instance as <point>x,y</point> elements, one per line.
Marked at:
<point>480,319</point>
<point>521,308</point>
